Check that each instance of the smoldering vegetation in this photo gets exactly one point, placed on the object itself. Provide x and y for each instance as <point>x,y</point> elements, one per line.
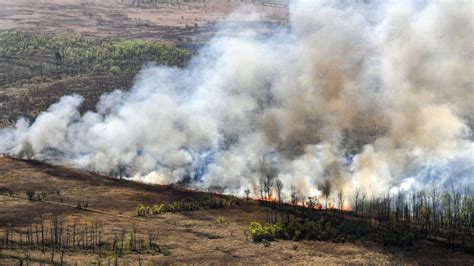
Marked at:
<point>375,97</point>
<point>441,217</point>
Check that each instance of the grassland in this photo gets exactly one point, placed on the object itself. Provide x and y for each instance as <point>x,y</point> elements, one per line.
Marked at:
<point>108,208</point>
<point>57,215</point>
<point>53,48</point>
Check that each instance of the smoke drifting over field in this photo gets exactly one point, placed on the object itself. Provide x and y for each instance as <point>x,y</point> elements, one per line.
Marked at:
<point>373,96</point>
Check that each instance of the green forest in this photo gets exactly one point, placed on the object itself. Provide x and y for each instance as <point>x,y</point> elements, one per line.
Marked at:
<point>25,56</point>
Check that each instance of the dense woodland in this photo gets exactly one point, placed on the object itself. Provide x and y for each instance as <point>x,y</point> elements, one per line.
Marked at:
<point>26,55</point>
<point>37,69</point>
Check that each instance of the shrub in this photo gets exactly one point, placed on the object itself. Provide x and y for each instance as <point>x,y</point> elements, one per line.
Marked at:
<point>183,205</point>
<point>115,70</point>
<point>141,210</point>
<point>312,230</point>
<point>293,230</point>
<point>219,220</point>
<point>30,194</point>
<point>268,232</point>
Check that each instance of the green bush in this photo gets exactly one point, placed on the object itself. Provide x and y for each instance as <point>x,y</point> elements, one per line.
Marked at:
<point>269,232</point>
<point>114,70</point>
<point>141,210</point>
<point>297,230</point>
<point>185,205</point>
<point>219,220</point>
<point>293,230</point>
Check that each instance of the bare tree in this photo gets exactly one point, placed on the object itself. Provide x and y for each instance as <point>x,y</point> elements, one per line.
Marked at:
<point>279,187</point>
<point>262,187</point>
<point>294,197</point>
<point>268,174</point>
<point>268,184</point>
<point>340,197</point>
<point>325,188</point>
<point>121,170</point>
<point>356,201</point>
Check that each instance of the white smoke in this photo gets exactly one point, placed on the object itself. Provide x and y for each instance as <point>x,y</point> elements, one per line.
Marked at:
<point>371,96</point>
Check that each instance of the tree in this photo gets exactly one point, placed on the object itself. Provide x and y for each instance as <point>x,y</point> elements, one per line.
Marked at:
<point>294,196</point>
<point>267,178</point>
<point>325,188</point>
<point>356,201</point>
<point>311,202</point>
<point>340,197</point>
<point>362,204</point>
<point>59,58</point>
<point>268,184</point>
<point>247,194</point>
<point>115,70</point>
<point>121,170</point>
<point>262,187</point>
<point>279,187</point>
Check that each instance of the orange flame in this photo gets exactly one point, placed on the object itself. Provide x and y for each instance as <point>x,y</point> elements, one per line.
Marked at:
<point>317,206</point>
<point>270,199</point>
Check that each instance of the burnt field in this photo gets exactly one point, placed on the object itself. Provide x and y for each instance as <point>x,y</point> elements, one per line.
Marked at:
<point>53,214</point>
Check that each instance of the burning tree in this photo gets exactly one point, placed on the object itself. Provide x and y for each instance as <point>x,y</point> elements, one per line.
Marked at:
<point>279,187</point>
<point>325,188</point>
<point>268,185</point>
<point>267,179</point>
<point>311,203</point>
<point>294,197</point>
<point>340,197</point>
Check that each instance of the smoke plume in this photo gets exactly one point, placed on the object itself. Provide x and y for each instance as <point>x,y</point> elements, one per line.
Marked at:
<point>373,96</point>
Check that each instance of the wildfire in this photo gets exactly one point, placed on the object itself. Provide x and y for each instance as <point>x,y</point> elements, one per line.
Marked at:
<point>267,199</point>
<point>317,206</point>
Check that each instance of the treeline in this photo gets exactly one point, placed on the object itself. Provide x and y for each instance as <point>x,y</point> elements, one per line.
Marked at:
<point>186,205</point>
<point>26,55</point>
<point>443,217</point>
<point>440,215</point>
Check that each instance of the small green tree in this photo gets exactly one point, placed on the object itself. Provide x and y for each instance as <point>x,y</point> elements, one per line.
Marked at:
<point>311,202</point>
<point>141,210</point>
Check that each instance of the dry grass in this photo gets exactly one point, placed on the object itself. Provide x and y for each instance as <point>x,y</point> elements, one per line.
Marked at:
<point>189,25</point>
<point>190,237</point>
<point>111,18</point>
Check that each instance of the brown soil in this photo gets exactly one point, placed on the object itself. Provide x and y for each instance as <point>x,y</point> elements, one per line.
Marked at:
<point>117,19</point>
<point>190,237</point>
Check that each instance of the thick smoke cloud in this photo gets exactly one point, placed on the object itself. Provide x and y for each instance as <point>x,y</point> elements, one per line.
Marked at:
<point>373,96</point>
